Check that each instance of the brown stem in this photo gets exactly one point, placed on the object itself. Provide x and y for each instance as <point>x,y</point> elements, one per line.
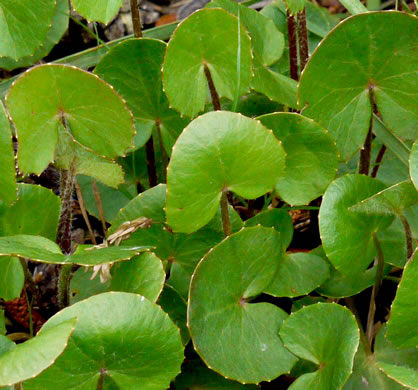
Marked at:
<point>408,233</point>
<point>366,151</point>
<point>293,49</point>
<point>226,223</point>
<point>152,170</point>
<point>375,291</point>
<point>99,205</point>
<point>303,39</point>
<point>136,18</point>
<point>378,160</point>
<point>213,93</point>
<point>65,220</point>
<point>164,155</point>
<point>84,212</point>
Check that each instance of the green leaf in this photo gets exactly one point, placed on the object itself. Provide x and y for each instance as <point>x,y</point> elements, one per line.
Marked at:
<point>278,219</point>
<point>11,278</point>
<point>120,338</point>
<point>295,6</point>
<point>319,20</point>
<point>400,364</point>
<point>82,286</point>
<point>274,85</point>
<point>326,334</point>
<point>55,33</point>
<point>195,375</point>
<point>46,251</point>
<point>387,138</point>
<point>413,164</point>
<point>102,124</point>
<point>266,39</point>
<point>2,324</point>
<point>390,201</point>
<point>29,214</point>
<point>222,321</point>
<point>143,274</point>
<point>367,375</point>
<point>182,251</point>
<point>5,344</point>
<point>97,10</point>
<point>347,236</point>
<point>217,152</point>
<point>356,56</point>
<point>7,161</point>
<point>72,155</point>
<point>142,60</point>
<point>354,6</point>
<point>198,41</point>
<point>23,26</point>
<point>311,157</point>
<point>176,307</point>
<point>298,274</point>
<point>404,314</point>
<point>29,359</point>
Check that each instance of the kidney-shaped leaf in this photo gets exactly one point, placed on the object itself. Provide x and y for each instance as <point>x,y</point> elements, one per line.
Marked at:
<point>142,60</point>
<point>7,161</point>
<point>218,152</point>
<point>298,274</point>
<point>368,53</point>
<point>121,339</point>
<point>29,359</point>
<point>326,334</point>
<point>50,98</point>
<point>346,235</point>
<point>23,26</point>
<point>311,157</point>
<point>98,10</point>
<point>404,313</point>
<point>220,319</point>
<point>43,250</point>
<point>199,41</point>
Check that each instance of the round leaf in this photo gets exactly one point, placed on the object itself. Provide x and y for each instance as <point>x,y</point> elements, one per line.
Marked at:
<point>29,359</point>
<point>142,60</point>
<point>143,274</point>
<point>220,319</point>
<point>7,161</point>
<point>28,215</point>
<point>298,274</point>
<point>197,42</point>
<point>413,164</point>
<point>218,152</point>
<point>98,10</point>
<point>123,338</point>
<point>347,236</point>
<point>404,313</point>
<point>370,51</point>
<point>326,334</point>
<point>82,286</point>
<point>102,124</point>
<point>55,33</point>
<point>23,26</point>
<point>311,157</point>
